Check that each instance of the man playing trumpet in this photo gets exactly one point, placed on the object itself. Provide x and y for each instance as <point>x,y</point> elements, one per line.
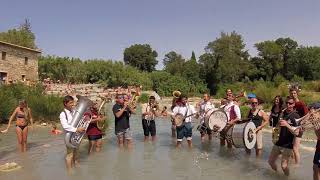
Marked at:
<point>182,115</point>
<point>150,110</point>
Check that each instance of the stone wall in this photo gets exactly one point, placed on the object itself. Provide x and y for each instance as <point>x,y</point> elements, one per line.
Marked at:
<point>14,63</point>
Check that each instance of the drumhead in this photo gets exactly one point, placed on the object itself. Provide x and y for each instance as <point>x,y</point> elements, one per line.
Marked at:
<point>178,120</point>
<point>250,137</point>
<point>216,120</point>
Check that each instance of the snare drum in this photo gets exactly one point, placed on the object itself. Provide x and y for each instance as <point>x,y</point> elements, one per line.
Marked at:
<point>243,135</point>
<point>216,120</point>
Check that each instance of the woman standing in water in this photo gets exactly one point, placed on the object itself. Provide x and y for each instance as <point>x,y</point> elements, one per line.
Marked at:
<point>276,110</point>
<point>22,114</point>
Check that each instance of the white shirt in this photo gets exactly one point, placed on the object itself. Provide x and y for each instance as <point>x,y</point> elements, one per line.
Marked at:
<point>204,108</point>
<point>185,111</point>
<point>66,122</point>
<point>147,108</point>
<point>227,109</point>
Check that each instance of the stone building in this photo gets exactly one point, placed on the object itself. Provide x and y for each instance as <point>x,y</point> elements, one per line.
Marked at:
<point>18,63</point>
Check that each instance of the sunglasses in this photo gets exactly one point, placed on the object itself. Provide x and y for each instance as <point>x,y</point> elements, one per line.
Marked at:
<point>290,103</point>
<point>254,102</point>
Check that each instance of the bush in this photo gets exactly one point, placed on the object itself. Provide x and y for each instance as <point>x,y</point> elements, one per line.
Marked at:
<point>244,111</point>
<point>278,80</point>
<point>144,98</point>
<point>312,86</point>
<point>164,84</point>
<point>43,107</point>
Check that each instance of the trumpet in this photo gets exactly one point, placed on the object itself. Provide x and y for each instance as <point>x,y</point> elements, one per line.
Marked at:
<point>155,106</point>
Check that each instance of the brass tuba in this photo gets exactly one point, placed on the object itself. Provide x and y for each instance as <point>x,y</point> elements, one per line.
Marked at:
<point>102,124</point>
<point>73,139</point>
<point>176,94</point>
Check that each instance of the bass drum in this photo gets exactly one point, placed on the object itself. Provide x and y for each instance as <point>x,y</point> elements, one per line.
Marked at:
<point>216,120</point>
<point>243,135</point>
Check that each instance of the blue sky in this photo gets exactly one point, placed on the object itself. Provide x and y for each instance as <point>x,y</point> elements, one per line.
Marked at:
<point>103,29</point>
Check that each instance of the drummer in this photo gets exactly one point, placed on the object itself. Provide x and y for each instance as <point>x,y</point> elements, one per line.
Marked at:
<point>260,119</point>
<point>204,106</point>
<point>187,111</point>
<point>234,115</point>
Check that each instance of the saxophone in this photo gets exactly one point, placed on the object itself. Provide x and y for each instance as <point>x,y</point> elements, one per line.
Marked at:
<point>73,139</point>
<point>276,130</point>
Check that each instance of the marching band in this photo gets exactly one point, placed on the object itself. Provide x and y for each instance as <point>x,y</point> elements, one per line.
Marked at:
<point>224,121</point>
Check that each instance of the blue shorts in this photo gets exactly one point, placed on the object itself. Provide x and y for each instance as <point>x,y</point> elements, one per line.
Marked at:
<point>184,131</point>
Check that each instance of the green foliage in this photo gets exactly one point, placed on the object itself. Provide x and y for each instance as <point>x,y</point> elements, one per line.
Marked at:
<point>244,111</point>
<point>42,106</point>
<point>141,56</point>
<point>270,52</point>
<point>164,84</point>
<point>22,36</point>
<point>114,74</point>
<point>278,80</point>
<point>144,98</point>
<point>306,63</point>
<point>226,60</point>
<point>312,86</point>
<point>173,63</point>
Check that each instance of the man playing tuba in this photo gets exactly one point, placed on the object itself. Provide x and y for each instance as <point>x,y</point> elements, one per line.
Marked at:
<point>65,119</point>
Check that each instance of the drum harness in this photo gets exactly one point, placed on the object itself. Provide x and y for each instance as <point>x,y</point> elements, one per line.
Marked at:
<point>203,112</point>
<point>185,115</point>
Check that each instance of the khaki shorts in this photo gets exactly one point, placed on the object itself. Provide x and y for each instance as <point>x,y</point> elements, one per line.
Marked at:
<point>71,152</point>
<point>126,134</point>
<point>259,144</point>
<point>277,150</point>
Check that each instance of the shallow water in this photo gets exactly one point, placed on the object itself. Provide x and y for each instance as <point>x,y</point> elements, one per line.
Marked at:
<point>45,159</point>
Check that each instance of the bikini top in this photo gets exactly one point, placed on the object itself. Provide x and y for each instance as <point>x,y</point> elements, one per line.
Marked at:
<point>20,115</point>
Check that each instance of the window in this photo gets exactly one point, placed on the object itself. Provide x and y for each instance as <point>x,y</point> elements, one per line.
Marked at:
<point>23,77</point>
<point>4,54</point>
<point>25,60</point>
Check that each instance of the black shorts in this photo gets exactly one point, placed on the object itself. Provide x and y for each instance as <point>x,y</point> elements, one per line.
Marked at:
<point>204,129</point>
<point>316,159</point>
<point>149,127</point>
<point>94,137</point>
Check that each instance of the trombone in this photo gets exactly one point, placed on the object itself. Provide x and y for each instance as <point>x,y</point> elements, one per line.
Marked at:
<point>101,125</point>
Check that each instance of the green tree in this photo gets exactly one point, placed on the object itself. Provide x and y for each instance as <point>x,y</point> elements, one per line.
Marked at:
<point>22,36</point>
<point>191,70</point>
<point>226,60</point>
<point>173,63</point>
<point>193,56</point>
<point>306,63</point>
<point>270,53</point>
<point>288,47</point>
<point>141,56</point>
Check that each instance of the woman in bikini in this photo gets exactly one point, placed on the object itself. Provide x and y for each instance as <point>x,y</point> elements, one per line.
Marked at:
<point>22,114</point>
